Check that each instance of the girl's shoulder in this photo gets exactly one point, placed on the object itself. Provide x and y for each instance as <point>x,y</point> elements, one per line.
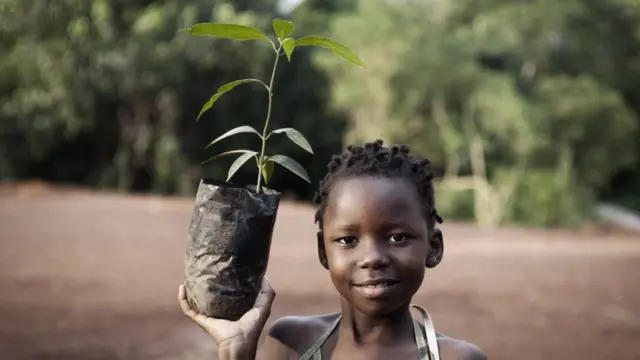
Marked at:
<point>291,336</point>
<point>456,349</point>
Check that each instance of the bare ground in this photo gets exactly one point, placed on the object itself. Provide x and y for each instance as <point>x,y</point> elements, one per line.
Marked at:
<point>94,276</point>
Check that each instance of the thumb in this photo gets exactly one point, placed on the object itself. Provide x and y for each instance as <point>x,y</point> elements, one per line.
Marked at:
<point>266,295</point>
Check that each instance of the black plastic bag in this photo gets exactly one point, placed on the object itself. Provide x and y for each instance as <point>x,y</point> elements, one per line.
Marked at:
<point>228,248</point>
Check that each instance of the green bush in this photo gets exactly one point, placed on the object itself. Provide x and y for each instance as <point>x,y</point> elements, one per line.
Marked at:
<point>548,199</point>
<point>455,204</point>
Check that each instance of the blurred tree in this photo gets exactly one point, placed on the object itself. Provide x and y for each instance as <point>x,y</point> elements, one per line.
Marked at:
<point>481,88</point>
<point>106,92</point>
<point>529,110</point>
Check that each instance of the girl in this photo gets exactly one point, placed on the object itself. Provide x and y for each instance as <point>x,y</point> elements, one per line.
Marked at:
<point>376,236</point>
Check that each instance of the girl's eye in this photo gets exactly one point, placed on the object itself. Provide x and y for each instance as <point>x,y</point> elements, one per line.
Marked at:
<point>347,240</point>
<point>398,238</point>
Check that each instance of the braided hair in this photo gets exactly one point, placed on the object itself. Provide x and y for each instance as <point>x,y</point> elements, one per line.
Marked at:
<point>374,159</point>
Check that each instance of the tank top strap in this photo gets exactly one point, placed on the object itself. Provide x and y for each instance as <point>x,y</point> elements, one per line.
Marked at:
<point>427,341</point>
<point>315,352</point>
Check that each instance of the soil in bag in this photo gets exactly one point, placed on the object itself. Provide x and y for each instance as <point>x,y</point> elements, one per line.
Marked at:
<point>228,247</point>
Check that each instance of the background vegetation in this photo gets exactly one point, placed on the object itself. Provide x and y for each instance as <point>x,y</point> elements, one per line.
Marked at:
<point>529,110</point>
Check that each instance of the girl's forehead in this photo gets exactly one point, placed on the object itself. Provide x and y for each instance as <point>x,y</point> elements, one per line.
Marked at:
<point>372,197</point>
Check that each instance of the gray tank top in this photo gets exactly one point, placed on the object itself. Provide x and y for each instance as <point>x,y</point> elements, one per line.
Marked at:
<point>425,336</point>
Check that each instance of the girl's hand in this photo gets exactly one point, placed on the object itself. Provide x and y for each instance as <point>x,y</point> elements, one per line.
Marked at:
<point>239,336</point>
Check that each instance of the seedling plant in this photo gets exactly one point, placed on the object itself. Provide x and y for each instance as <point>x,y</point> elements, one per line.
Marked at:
<point>285,46</point>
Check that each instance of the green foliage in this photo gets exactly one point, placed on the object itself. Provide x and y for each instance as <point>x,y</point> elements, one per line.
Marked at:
<point>288,45</point>
<point>224,89</point>
<point>238,130</point>
<point>226,31</point>
<point>290,165</point>
<point>267,170</point>
<point>455,203</point>
<point>499,90</point>
<point>282,29</point>
<point>239,162</point>
<point>559,201</point>
<point>295,136</point>
<point>334,46</point>
<point>99,93</point>
<point>230,152</point>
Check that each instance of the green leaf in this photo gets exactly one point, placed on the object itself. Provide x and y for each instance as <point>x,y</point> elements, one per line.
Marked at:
<point>283,28</point>
<point>222,90</point>
<point>239,162</point>
<point>296,137</point>
<point>288,45</point>
<point>229,153</point>
<point>336,47</point>
<point>227,31</point>
<point>291,165</point>
<point>267,170</point>
<point>238,130</point>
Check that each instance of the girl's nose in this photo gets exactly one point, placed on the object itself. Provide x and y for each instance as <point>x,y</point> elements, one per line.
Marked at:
<point>374,254</point>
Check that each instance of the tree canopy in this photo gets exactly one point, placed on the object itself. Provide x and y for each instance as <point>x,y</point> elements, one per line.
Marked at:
<point>529,110</point>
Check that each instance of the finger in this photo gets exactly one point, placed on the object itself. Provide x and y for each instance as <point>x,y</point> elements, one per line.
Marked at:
<point>265,296</point>
<point>184,304</point>
<point>265,284</point>
<point>206,323</point>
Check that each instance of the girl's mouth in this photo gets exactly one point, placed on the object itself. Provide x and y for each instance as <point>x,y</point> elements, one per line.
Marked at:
<point>376,288</point>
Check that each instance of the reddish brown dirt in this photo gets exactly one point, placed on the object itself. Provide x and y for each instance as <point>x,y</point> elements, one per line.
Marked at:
<point>94,276</point>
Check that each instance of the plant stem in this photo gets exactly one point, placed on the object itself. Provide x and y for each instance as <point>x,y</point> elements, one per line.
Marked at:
<point>266,122</point>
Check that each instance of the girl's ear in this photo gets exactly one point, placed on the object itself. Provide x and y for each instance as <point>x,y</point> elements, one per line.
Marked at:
<point>436,248</point>
<point>322,254</point>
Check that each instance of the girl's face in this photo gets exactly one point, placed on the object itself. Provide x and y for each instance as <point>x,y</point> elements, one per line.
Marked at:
<point>376,241</point>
